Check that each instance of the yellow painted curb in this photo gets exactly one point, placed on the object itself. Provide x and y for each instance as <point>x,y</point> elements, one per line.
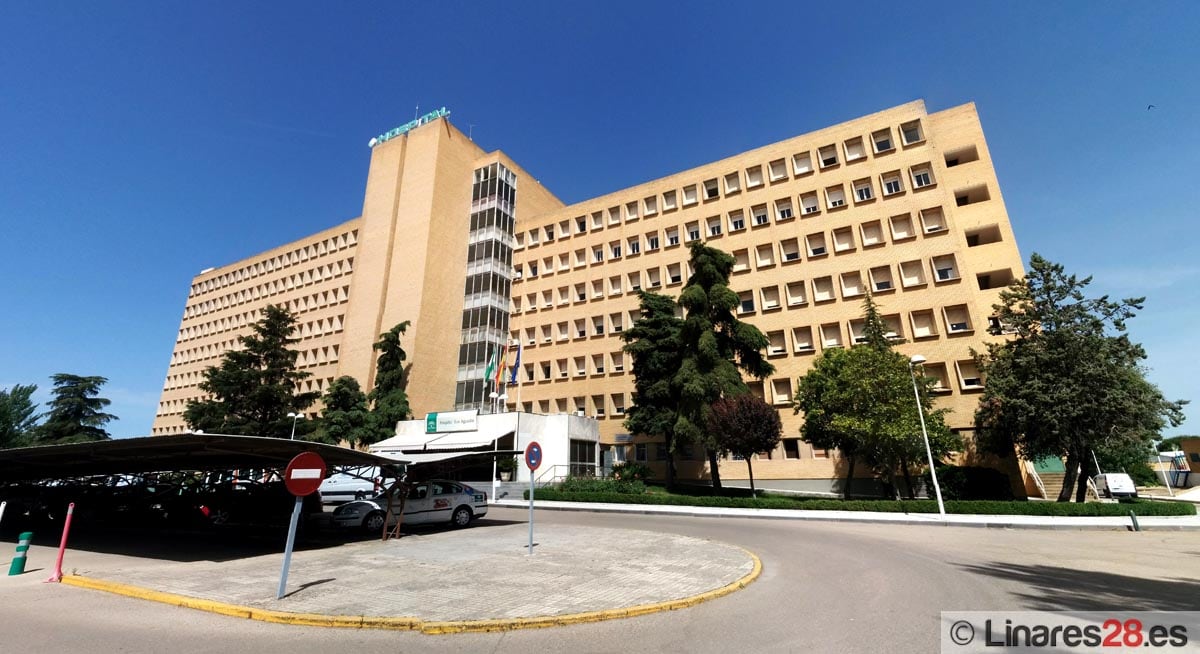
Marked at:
<point>410,624</point>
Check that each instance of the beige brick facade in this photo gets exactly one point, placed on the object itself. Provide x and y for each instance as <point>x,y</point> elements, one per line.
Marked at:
<point>903,203</point>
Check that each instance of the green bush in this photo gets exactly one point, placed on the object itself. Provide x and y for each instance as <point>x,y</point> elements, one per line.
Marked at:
<point>598,485</point>
<point>962,507</point>
<point>970,483</point>
<point>631,470</point>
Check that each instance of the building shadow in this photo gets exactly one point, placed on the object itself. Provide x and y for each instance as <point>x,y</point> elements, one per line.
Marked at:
<point>1051,588</point>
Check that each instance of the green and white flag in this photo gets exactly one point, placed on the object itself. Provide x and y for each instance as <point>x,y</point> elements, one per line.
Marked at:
<point>491,368</point>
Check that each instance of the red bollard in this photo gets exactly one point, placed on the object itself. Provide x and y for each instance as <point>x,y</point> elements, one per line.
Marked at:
<point>62,547</point>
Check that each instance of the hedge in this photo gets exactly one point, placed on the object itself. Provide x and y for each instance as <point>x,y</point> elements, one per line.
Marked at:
<point>965,507</point>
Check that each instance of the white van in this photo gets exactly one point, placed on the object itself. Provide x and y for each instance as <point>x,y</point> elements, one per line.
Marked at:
<point>352,484</point>
<point>1115,484</point>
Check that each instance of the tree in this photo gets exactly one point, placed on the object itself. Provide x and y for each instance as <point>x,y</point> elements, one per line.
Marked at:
<point>1173,444</point>
<point>18,416</point>
<point>389,399</point>
<point>860,401</point>
<point>653,343</point>
<point>344,416</point>
<point>254,388</point>
<point>745,425</point>
<point>1069,380</point>
<point>76,414</point>
<point>716,348</point>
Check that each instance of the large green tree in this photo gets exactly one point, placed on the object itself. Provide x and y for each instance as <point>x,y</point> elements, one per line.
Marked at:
<point>716,349</point>
<point>76,412</point>
<point>389,398</point>
<point>1069,380</point>
<point>254,388</point>
<point>745,425</point>
<point>344,414</point>
<point>18,415</point>
<point>860,401</point>
<point>653,344</point>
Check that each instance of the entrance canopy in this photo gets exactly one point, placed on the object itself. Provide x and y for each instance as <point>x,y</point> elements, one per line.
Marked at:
<point>169,453</point>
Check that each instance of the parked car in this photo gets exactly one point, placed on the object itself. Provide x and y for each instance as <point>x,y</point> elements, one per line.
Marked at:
<point>1115,484</point>
<point>353,484</point>
<point>434,501</point>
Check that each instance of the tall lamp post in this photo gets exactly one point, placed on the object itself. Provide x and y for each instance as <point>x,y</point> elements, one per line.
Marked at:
<point>915,361</point>
<point>295,417</point>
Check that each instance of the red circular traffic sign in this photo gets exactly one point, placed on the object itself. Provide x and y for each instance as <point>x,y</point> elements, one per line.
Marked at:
<point>304,474</point>
<point>533,455</point>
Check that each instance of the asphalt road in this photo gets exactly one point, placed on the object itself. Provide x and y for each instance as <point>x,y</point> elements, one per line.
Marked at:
<point>825,587</point>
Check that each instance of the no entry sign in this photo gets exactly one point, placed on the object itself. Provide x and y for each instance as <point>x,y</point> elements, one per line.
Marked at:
<point>304,474</point>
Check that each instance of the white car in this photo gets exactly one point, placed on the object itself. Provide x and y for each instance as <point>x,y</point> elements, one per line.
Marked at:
<point>435,501</point>
<point>1115,484</point>
<point>352,484</point>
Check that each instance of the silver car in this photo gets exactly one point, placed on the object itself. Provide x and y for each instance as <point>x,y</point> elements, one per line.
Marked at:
<point>434,501</point>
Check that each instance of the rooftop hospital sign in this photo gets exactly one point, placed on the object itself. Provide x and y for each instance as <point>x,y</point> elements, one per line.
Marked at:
<point>404,129</point>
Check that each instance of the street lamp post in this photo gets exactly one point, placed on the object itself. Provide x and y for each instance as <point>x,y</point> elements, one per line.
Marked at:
<point>295,417</point>
<point>915,361</point>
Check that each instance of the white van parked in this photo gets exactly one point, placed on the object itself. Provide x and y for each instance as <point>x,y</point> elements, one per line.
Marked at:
<point>1115,484</point>
<point>352,484</point>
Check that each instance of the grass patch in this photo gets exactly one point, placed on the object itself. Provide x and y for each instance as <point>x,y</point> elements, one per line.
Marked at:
<point>961,507</point>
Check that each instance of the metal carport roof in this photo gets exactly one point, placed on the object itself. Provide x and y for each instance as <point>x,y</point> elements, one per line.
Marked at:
<point>164,453</point>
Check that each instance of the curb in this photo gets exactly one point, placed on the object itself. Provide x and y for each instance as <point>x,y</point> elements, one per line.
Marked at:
<point>857,517</point>
<point>410,624</point>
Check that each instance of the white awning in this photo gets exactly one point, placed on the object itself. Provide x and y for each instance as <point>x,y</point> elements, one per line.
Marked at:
<point>412,437</point>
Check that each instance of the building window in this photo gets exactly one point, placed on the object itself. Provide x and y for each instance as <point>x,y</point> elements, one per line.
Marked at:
<point>754,177</point>
<point>852,284</point>
<point>652,242</point>
<point>912,273</point>
<point>810,203</point>
<point>639,452</point>
<point>882,140</point>
<point>828,156</point>
<point>802,163</point>
<point>922,177</point>
<point>674,276</point>
<point>597,254</point>
<point>764,255</point>
<point>775,343</point>
<point>923,324</point>
<point>831,335</point>
<point>843,239</point>
<point>911,132</point>
<point>781,391</point>
<point>693,232</point>
<point>944,268</point>
<point>881,279</point>
<point>783,210</point>
<point>790,249</point>
<point>741,261</point>
<point>631,211</point>
<point>968,374</point>
<point>802,340</point>
<point>854,149</point>
<point>770,300</point>
<point>823,289</point>
<point>714,226</point>
<point>778,170</point>
<point>791,448</point>
<point>733,183</point>
<point>958,319</point>
<point>651,205</point>
<point>902,227</point>
<point>816,244</point>
<point>669,201</point>
<point>933,221</point>
<point>689,195</point>
<point>835,196</point>
<point>892,184</point>
<point>712,190</point>
<point>745,302</point>
<point>863,191</point>
<point>635,246</point>
<point>672,237</point>
<point>616,250</point>
<point>796,295</point>
<point>872,234</point>
<point>737,221</point>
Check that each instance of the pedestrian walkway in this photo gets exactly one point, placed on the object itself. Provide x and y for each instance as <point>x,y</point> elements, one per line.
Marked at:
<point>932,519</point>
<point>479,578</point>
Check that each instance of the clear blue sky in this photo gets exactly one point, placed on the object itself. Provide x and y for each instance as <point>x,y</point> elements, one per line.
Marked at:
<point>143,142</point>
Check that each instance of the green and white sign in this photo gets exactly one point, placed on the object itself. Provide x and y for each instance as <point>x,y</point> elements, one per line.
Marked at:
<point>447,421</point>
<point>404,129</point>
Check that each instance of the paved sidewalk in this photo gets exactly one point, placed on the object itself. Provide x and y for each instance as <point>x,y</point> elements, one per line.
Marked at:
<point>481,573</point>
<point>932,519</point>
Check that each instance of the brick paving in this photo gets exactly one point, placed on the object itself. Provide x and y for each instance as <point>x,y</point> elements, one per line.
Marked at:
<point>472,574</point>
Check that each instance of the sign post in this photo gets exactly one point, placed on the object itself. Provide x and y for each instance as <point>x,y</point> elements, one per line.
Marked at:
<point>302,478</point>
<point>533,459</point>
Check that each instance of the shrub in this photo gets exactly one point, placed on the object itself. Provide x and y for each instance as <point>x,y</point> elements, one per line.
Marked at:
<point>970,483</point>
<point>962,507</point>
<point>631,470</point>
<point>597,485</point>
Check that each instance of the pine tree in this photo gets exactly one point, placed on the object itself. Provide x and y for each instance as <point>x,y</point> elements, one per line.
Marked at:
<point>389,399</point>
<point>76,414</point>
<point>653,344</point>
<point>716,346</point>
<point>254,388</point>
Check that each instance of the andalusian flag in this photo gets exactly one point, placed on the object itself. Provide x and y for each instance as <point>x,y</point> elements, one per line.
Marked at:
<point>491,367</point>
<point>516,366</point>
<point>499,381</point>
